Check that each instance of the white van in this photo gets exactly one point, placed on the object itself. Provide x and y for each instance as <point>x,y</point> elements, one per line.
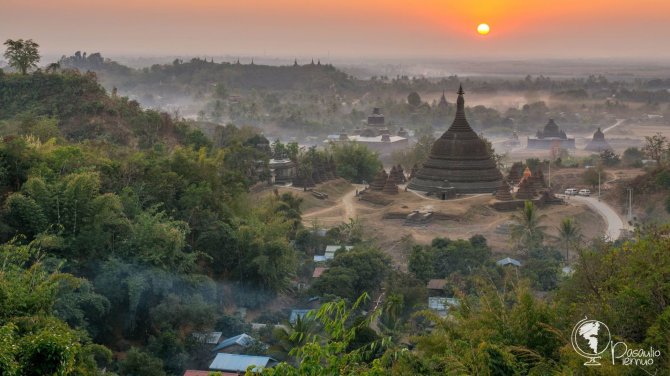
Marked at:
<point>571,191</point>
<point>584,192</point>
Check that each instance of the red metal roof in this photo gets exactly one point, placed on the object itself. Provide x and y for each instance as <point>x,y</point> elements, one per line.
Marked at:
<point>436,284</point>
<point>318,271</point>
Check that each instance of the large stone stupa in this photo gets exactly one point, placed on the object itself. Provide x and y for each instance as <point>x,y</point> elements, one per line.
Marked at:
<point>551,136</point>
<point>458,159</point>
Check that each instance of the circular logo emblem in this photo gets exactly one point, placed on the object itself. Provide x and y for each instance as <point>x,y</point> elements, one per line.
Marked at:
<point>590,339</point>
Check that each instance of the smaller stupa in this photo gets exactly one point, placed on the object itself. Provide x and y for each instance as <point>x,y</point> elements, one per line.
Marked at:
<point>598,143</point>
<point>379,181</point>
<point>539,176</point>
<point>401,174</point>
<point>526,190</point>
<point>503,192</point>
<point>393,173</point>
<point>390,188</point>
<point>396,175</point>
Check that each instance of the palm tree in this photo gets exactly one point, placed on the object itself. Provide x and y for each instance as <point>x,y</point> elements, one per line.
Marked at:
<point>391,313</point>
<point>569,232</point>
<point>352,231</point>
<point>527,232</point>
<point>292,335</point>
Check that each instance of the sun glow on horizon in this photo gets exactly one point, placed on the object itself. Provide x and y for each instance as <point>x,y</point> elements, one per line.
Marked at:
<point>483,29</point>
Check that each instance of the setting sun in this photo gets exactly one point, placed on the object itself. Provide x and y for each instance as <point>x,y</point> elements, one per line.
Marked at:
<point>483,29</point>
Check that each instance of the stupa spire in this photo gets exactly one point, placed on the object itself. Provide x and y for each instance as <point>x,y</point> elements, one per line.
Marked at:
<point>460,123</point>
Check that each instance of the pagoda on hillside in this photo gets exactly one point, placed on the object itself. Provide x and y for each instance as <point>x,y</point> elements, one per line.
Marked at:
<point>503,193</point>
<point>458,159</point>
<point>526,190</point>
<point>538,180</point>
<point>443,104</point>
<point>379,181</point>
<point>401,174</point>
<point>390,188</point>
<point>598,143</point>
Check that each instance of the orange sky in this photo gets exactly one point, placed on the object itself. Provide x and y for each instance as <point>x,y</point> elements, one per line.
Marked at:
<point>345,28</point>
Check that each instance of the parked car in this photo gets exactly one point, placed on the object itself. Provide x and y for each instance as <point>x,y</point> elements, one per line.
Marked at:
<point>584,192</point>
<point>571,191</point>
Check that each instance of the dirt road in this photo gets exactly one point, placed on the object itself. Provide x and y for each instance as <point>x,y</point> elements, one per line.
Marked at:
<point>614,223</point>
<point>345,205</point>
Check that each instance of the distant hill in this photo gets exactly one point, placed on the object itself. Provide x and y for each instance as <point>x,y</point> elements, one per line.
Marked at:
<point>84,110</point>
<point>200,73</point>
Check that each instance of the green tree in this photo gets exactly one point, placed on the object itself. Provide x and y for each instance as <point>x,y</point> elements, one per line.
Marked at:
<point>334,356</point>
<point>353,273</point>
<point>462,256</point>
<point>140,363</point>
<point>593,176</point>
<point>355,162</point>
<point>417,154</point>
<point>349,232</point>
<point>493,333</point>
<point>612,282</point>
<point>80,306</point>
<point>158,240</point>
<point>33,342</point>
<point>25,215</point>
<point>542,267</point>
<point>609,158</point>
<point>22,54</point>
<point>180,312</point>
<point>414,99</point>
<point>292,335</point>
<point>633,157</point>
<point>169,347</point>
<point>220,91</point>
<point>569,234</point>
<point>655,147</point>
<point>393,308</point>
<point>421,263</point>
<point>527,231</point>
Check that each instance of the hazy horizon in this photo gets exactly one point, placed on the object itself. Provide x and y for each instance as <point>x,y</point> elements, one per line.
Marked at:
<point>372,29</point>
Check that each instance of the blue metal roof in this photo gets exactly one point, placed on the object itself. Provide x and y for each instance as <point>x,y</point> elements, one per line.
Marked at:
<point>297,313</point>
<point>240,363</point>
<point>211,338</point>
<point>508,261</point>
<point>243,340</point>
